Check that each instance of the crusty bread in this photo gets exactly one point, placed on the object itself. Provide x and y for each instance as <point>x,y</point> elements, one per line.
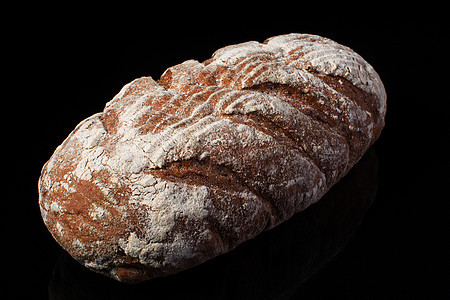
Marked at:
<point>177,171</point>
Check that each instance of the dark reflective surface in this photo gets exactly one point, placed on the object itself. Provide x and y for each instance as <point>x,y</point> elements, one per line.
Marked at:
<point>272,266</point>
<point>62,73</point>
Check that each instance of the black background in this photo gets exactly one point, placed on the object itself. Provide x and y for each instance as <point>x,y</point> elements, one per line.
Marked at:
<point>62,69</point>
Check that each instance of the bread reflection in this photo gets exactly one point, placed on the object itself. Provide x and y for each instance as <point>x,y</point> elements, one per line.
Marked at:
<point>273,265</point>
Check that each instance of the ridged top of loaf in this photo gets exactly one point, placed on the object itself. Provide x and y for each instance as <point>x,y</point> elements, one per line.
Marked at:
<point>320,54</point>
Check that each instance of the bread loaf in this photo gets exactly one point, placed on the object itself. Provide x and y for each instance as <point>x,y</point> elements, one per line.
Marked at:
<point>177,171</point>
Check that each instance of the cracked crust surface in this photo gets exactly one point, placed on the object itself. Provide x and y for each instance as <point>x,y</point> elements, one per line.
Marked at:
<point>177,171</point>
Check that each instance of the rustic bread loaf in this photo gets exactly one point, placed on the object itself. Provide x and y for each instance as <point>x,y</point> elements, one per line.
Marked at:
<point>177,171</point>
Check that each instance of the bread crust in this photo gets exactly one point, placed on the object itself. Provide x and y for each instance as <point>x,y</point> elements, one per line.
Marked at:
<point>177,171</point>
